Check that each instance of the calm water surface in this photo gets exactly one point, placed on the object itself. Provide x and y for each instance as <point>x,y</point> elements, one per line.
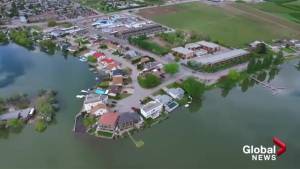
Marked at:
<point>208,137</point>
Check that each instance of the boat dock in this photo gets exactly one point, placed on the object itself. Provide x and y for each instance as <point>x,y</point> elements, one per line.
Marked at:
<point>275,90</point>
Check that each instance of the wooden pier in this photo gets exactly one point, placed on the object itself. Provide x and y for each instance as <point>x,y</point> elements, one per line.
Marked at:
<point>275,90</point>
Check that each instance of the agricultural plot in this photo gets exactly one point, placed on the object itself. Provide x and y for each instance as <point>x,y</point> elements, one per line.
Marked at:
<point>289,9</point>
<point>228,24</point>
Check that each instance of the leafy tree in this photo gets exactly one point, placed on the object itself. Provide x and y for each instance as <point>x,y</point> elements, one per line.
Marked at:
<point>2,106</point>
<point>92,59</point>
<point>21,37</point>
<point>261,48</point>
<point>279,59</point>
<point>103,46</point>
<point>15,124</point>
<point>229,82</point>
<point>48,46</point>
<point>171,68</point>
<point>45,107</point>
<point>88,121</point>
<point>251,65</point>
<point>40,125</point>
<point>298,66</point>
<point>245,84</point>
<point>52,23</point>
<point>3,38</point>
<point>233,75</point>
<point>14,10</point>
<point>144,43</point>
<point>149,80</point>
<point>20,101</point>
<point>193,87</point>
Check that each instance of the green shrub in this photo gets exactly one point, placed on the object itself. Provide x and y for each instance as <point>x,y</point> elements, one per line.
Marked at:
<point>149,80</point>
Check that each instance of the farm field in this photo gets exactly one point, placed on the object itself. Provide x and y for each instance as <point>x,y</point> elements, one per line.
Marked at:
<point>102,6</point>
<point>233,24</point>
<point>289,9</point>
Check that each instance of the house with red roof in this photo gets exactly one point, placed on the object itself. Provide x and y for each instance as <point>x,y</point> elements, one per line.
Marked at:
<point>108,121</point>
<point>100,56</point>
<point>107,61</point>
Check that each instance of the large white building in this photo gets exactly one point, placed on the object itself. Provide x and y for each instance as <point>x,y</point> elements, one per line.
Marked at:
<point>151,109</point>
<point>92,100</point>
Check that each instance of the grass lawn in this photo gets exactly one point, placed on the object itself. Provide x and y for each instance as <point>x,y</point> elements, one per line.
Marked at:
<point>289,9</point>
<point>288,50</point>
<point>104,133</point>
<point>227,25</point>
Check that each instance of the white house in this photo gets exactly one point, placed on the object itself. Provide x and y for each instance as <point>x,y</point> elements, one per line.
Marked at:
<point>99,109</point>
<point>176,93</point>
<point>93,100</point>
<point>151,109</point>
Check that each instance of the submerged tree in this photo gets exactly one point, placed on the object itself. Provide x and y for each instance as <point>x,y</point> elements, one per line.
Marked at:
<point>298,66</point>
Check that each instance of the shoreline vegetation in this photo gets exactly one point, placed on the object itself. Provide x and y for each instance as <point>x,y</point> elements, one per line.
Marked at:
<point>44,106</point>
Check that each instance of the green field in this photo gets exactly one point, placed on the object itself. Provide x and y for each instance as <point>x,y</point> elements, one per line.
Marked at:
<point>289,9</point>
<point>228,25</point>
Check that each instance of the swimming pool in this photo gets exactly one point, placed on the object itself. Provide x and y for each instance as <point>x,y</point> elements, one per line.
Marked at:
<point>101,91</point>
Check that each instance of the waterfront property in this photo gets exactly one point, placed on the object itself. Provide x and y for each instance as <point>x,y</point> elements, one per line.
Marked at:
<point>108,121</point>
<point>223,57</point>
<point>128,120</point>
<point>23,114</point>
<point>151,109</point>
<point>99,109</point>
<point>117,80</point>
<point>167,101</point>
<point>176,93</point>
<point>92,100</point>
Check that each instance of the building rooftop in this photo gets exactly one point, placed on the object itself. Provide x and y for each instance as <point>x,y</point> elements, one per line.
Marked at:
<point>223,56</point>
<point>151,105</point>
<point>24,113</point>
<point>164,99</point>
<point>117,80</point>
<point>128,117</point>
<point>93,97</point>
<point>97,107</point>
<point>182,50</point>
<point>192,45</point>
<point>208,44</point>
<point>176,91</point>
<point>109,119</point>
<point>118,72</point>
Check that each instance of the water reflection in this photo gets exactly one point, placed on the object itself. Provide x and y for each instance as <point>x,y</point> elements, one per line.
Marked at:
<point>195,106</point>
<point>12,67</point>
<point>297,66</point>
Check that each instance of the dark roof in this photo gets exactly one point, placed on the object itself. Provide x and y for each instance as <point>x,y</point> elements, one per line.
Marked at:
<point>128,118</point>
<point>24,113</point>
<point>115,89</point>
<point>118,72</point>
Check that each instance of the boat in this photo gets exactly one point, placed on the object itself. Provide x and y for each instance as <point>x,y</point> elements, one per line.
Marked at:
<point>83,59</point>
<point>186,105</point>
<point>84,91</point>
<point>80,96</point>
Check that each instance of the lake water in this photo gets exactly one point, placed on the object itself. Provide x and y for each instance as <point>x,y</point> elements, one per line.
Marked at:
<point>208,137</point>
